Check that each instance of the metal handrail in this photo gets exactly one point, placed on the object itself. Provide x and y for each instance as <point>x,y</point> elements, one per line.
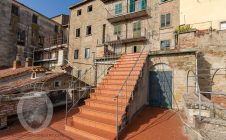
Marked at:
<point>120,90</point>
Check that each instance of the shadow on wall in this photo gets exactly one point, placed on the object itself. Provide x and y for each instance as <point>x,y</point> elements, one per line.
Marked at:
<point>204,74</point>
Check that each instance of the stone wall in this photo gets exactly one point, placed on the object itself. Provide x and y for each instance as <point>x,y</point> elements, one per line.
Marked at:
<point>179,64</point>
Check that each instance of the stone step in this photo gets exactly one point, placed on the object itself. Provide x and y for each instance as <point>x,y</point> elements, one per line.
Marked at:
<point>104,104</point>
<point>94,121</point>
<point>90,132</point>
<point>108,97</point>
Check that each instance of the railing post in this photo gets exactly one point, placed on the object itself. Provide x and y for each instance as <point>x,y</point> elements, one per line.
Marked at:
<point>117,131</point>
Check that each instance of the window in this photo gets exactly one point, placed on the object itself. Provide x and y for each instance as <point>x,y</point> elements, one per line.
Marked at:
<point>135,49</point>
<point>15,10</point>
<point>137,29</point>
<point>21,36</point>
<point>79,12</point>
<point>90,8</point>
<point>77,34</point>
<point>165,44</point>
<point>89,30</point>
<point>118,8</point>
<point>35,19</point>
<point>33,75</point>
<point>75,54</point>
<point>223,25</point>
<point>117,30</point>
<point>56,29</point>
<point>87,52</point>
<point>165,20</point>
<point>57,83</point>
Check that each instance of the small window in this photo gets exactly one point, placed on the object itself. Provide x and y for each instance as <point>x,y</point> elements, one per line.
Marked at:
<point>35,19</point>
<point>89,30</point>
<point>15,10</point>
<point>135,49</point>
<point>118,8</point>
<point>90,8</point>
<point>56,29</point>
<point>117,30</point>
<point>75,54</point>
<point>87,53</point>
<point>165,20</point>
<point>165,44</point>
<point>77,34</point>
<point>57,83</point>
<point>79,12</point>
<point>137,26</point>
<point>223,25</point>
<point>33,75</point>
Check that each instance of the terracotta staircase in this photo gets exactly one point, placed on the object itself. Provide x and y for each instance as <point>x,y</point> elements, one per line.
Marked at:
<point>97,118</point>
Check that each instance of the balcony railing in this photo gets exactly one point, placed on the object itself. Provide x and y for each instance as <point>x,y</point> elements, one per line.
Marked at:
<point>127,13</point>
<point>129,36</point>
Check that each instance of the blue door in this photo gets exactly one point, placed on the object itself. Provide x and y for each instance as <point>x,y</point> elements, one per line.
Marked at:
<point>160,89</point>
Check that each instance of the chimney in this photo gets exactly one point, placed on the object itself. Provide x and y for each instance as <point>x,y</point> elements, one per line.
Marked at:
<point>16,63</point>
<point>28,62</point>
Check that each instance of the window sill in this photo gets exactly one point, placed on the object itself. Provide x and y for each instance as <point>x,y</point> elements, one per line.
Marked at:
<point>167,27</point>
<point>88,35</point>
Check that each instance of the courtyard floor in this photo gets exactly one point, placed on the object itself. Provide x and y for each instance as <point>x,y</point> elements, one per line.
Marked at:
<point>150,124</point>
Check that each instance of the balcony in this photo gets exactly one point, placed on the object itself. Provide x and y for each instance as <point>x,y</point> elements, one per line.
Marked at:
<point>141,35</point>
<point>126,13</point>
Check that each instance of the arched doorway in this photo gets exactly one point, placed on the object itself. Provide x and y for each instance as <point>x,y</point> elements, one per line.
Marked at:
<point>160,86</point>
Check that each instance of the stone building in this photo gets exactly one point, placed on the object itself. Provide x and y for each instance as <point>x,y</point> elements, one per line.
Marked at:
<point>24,31</point>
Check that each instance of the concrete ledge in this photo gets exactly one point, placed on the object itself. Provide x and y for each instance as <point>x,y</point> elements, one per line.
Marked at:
<point>173,52</point>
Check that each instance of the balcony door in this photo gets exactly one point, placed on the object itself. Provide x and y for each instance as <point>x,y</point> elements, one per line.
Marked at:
<point>137,5</point>
<point>137,29</point>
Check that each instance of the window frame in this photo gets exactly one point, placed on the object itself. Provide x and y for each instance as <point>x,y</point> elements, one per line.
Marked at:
<point>79,12</point>
<point>15,8</point>
<point>89,30</point>
<point>87,53</point>
<point>163,20</point>
<point>34,19</point>
<point>118,9</point>
<point>77,54</point>
<point>167,46</point>
<point>118,29</point>
<point>222,22</point>
<point>90,8</point>
<point>78,32</point>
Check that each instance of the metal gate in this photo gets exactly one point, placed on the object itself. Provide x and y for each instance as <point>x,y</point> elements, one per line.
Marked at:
<point>160,89</point>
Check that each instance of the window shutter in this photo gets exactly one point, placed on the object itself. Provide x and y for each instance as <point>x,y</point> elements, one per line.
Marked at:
<point>132,5</point>
<point>143,4</point>
<point>167,19</point>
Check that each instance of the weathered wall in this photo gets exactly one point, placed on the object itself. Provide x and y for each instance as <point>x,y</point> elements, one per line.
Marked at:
<point>11,25</point>
<point>179,64</point>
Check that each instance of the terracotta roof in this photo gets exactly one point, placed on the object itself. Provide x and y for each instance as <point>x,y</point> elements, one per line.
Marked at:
<point>12,72</point>
<point>14,85</point>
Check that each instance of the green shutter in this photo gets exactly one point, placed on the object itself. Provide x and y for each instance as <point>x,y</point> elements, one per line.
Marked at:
<point>132,6</point>
<point>118,8</point>
<point>143,4</point>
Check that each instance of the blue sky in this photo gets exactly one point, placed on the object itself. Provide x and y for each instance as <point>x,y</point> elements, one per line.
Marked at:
<point>50,8</point>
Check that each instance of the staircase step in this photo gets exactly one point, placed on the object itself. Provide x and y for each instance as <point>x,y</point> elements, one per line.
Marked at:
<point>126,69</point>
<point>101,112</point>
<point>104,104</point>
<point>94,121</point>
<point>107,97</point>
<point>90,132</point>
<point>128,65</point>
<point>113,73</point>
<point>112,91</point>
<point>118,82</point>
<point>116,87</point>
<point>132,59</point>
<point>122,77</point>
<point>134,55</point>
